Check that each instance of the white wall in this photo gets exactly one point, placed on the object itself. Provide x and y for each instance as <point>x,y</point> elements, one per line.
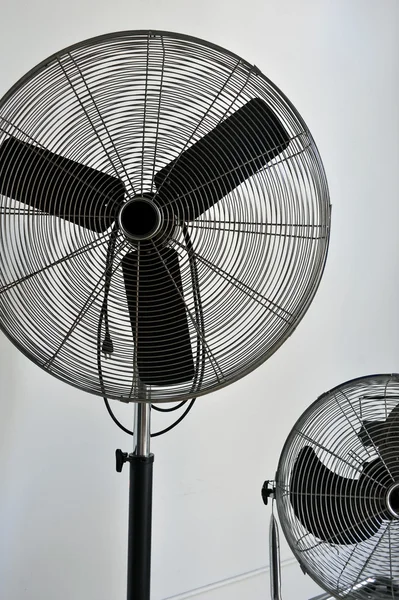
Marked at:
<point>62,506</point>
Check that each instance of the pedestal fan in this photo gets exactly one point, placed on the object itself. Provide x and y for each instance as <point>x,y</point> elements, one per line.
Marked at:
<point>163,206</point>
<point>337,491</point>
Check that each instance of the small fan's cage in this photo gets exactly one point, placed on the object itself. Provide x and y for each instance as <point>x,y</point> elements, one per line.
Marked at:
<point>162,203</point>
<point>337,489</point>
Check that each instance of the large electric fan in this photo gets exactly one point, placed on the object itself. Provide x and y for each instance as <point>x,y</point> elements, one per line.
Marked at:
<point>163,206</point>
<point>337,489</point>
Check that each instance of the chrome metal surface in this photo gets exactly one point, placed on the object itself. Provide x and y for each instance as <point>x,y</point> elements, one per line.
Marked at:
<point>393,499</point>
<point>142,429</point>
<point>275,564</point>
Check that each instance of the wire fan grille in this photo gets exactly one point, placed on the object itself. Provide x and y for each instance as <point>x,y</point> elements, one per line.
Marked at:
<point>337,489</point>
<point>238,258</point>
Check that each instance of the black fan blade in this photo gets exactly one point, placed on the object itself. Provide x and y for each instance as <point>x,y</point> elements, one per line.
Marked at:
<point>59,186</point>
<point>233,151</point>
<point>158,316</point>
<point>371,432</point>
<point>336,509</point>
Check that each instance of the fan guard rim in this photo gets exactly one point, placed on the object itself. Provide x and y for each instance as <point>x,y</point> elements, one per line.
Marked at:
<point>305,300</point>
<point>290,448</point>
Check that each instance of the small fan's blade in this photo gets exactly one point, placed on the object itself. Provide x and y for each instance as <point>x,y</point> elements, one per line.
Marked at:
<point>371,432</point>
<point>233,151</point>
<point>158,316</point>
<point>336,509</point>
<point>59,186</point>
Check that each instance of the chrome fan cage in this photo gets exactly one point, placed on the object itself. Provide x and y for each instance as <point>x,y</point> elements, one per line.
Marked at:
<point>337,489</point>
<point>124,107</point>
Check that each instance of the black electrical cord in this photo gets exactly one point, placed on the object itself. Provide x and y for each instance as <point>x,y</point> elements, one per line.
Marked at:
<point>115,420</point>
<point>177,420</point>
<point>157,433</point>
<point>199,318</point>
<point>107,346</point>
<point>199,315</point>
<point>165,410</point>
<point>107,343</point>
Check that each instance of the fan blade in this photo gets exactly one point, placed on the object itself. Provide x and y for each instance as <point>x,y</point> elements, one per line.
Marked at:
<point>233,151</point>
<point>158,316</point>
<point>58,186</point>
<point>371,432</point>
<point>336,509</point>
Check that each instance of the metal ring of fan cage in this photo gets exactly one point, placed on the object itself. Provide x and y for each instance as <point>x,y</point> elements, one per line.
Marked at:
<point>337,489</point>
<point>238,257</point>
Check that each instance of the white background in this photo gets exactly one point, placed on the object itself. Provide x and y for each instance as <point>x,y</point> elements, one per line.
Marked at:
<point>63,508</point>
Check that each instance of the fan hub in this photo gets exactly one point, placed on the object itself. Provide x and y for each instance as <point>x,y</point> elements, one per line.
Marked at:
<point>140,219</point>
<point>392,499</point>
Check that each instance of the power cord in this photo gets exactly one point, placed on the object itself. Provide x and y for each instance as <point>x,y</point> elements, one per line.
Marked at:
<point>166,410</point>
<point>107,345</point>
<point>157,433</point>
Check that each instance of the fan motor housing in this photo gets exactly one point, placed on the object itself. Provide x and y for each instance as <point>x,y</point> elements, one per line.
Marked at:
<point>140,219</point>
<point>392,499</point>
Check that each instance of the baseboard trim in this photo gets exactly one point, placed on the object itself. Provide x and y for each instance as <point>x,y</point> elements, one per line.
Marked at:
<point>229,581</point>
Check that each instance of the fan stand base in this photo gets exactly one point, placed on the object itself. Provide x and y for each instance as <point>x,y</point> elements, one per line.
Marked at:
<point>140,506</point>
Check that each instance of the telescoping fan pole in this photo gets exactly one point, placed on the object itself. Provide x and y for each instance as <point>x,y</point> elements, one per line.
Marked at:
<point>140,507</point>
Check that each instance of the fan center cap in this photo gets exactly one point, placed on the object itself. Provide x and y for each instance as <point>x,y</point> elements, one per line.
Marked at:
<point>140,219</point>
<point>392,499</point>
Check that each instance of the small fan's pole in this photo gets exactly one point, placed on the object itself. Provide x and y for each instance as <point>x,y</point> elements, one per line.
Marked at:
<point>140,507</point>
<point>275,565</point>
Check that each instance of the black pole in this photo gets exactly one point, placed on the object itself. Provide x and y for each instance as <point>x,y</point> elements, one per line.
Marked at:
<point>140,518</point>
<point>140,504</point>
